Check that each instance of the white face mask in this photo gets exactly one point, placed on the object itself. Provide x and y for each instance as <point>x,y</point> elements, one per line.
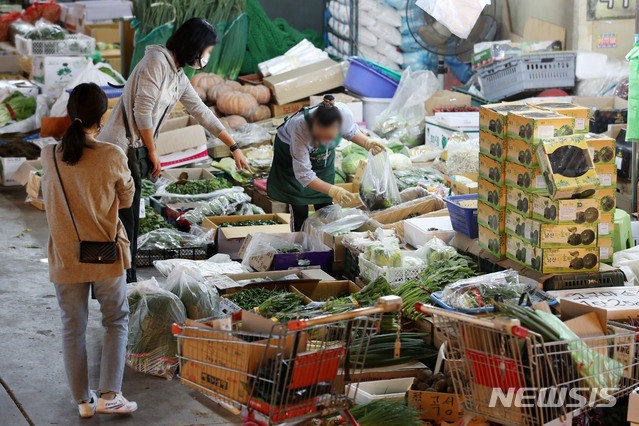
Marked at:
<point>201,64</point>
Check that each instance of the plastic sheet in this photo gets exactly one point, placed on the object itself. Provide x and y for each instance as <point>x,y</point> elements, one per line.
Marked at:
<point>246,135</point>
<point>480,291</point>
<point>459,16</point>
<point>303,53</point>
<point>334,220</point>
<point>169,197</point>
<point>167,238</point>
<point>358,241</point>
<point>384,252</point>
<point>223,205</point>
<point>462,155</point>
<point>200,299</point>
<point>218,264</point>
<point>378,189</point>
<point>262,243</point>
<point>435,250</point>
<point>151,347</point>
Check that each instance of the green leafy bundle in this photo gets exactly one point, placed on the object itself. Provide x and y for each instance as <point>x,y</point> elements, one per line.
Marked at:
<point>194,187</point>
<point>152,221</point>
<point>384,412</point>
<point>16,107</point>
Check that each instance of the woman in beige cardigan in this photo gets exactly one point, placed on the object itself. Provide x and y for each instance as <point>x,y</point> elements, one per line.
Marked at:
<point>85,183</point>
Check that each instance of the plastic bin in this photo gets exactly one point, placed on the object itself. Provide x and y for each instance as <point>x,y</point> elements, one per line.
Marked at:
<point>71,45</point>
<point>528,72</point>
<point>369,79</point>
<point>372,107</point>
<point>111,92</point>
<point>394,275</point>
<point>463,219</point>
<point>146,257</point>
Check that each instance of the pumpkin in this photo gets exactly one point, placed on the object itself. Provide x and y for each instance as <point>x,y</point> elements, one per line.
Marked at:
<point>214,92</point>
<point>234,84</point>
<point>261,113</point>
<point>236,103</point>
<point>206,80</point>
<point>260,92</point>
<point>233,121</point>
<point>201,92</point>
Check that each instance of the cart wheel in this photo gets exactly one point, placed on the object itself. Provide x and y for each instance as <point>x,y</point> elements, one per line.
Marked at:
<point>346,415</point>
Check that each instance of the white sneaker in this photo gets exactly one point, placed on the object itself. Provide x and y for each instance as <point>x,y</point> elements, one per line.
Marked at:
<point>117,405</point>
<point>87,409</point>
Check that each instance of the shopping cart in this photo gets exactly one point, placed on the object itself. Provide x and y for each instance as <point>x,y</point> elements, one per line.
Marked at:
<point>506,373</point>
<point>284,373</point>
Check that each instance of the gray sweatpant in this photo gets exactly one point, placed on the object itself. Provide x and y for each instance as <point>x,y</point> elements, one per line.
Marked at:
<point>74,310</point>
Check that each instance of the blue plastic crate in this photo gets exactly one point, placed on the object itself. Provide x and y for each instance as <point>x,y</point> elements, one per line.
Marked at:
<point>369,79</point>
<point>463,219</point>
<point>111,92</point>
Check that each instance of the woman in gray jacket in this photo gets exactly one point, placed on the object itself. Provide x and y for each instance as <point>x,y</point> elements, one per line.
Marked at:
<point>151,92</point>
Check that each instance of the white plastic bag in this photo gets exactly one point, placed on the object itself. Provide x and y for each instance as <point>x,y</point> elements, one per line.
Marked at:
<point>459,16</point>
<point>388,15</point>
<point>388,33</point>
<point>200,299</point>
<point>262,243</point>
<point>378,189</point>
<point>389,51</point>
<point>366,37</point>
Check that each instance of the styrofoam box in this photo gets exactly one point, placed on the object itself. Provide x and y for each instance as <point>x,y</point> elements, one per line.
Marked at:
<point>416,230</point>
<point>458,119</point>
<point>380,389</point>
<point>633,407</point>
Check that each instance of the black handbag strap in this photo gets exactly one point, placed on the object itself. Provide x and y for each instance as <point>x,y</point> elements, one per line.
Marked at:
<point>55,161</point>
<point>66,199</point>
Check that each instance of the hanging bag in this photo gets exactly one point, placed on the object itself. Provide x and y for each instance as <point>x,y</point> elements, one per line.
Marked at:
<point>378,189</point>
<point>101,252</point>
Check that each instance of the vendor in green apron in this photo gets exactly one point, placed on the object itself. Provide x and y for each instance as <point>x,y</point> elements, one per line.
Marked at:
<point>303,170</point>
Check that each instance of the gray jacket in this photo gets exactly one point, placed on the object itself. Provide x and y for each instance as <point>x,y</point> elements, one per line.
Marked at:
<point>151,92</point>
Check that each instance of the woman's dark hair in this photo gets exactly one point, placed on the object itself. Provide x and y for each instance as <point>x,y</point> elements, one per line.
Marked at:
<point>87,104</point>
<point>327,113</point>
<point>191,40</point>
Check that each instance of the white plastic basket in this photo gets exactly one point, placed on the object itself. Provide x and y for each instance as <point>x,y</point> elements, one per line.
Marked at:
<point>71,45</point>
<point>394,275</point>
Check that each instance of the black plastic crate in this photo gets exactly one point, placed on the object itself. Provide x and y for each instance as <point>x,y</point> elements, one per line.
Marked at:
<point>146,257</point>
<point>613,278</point>
<point>351,264</point>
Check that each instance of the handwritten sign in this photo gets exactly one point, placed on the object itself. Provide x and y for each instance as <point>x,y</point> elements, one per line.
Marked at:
<point>608,298</point>
<point>435,405</point>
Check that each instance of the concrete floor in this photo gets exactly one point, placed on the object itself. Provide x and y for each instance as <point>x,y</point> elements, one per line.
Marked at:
<point>33,382</point>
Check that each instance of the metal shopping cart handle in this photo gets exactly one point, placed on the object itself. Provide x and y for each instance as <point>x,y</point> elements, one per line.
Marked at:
<point>384,304</point>
<point>508,325</point>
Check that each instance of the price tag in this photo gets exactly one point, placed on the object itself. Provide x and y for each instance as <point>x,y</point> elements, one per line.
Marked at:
<point>545,132</point>
<point>568,213</point>
<point>142,210</point>
<point>227,307</point>
<point>540,182</point>
<point>604,228</point>
<point>605,179</point>
<point>580,123</point>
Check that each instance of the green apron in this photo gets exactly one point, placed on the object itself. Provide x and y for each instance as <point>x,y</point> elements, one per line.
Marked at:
<point>282,184</point>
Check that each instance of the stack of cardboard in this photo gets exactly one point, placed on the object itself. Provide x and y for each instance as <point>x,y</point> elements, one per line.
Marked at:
<point>550,221</point>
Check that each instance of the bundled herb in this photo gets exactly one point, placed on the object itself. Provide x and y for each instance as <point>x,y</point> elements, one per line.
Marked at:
<point>152,221</point>
<point>250,298</point>
<point>194,187</point>
<point>381,350</point>
<point>281,302</point>
<point>384,412</point>
<point>16,107</point>
<point>434,278</point>
<point>148,188</point>
<point>367,296</point>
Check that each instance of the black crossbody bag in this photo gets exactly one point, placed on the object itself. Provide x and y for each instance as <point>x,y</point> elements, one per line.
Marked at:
<point>102,252</point>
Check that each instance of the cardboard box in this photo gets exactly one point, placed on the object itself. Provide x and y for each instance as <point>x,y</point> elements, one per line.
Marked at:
<point>607,174</point>
<point>55,72</point>
<point>270,260</point>
<point>181,141</point>
<point>34,186</point>
<point>493,146</point>
<point>604,111</point>
<point>547,235</point>
<point>10,63</point>
<point>584,210</point>
<point>269,205</point>
<point>394,217</point>
<point>517,225</point>
<point>375,390</point>
<point>608,198</point>
<point>553,260</point>
<point>494,243</point>
<point>289,108</point>
<point>521,152</point>
<point>438,133</point>
<point>491,194</point>
<point>446,99</point>
<point>581,114</point>
<point>491,170</point>
<point>353,187</point>
<point>354,104</point>
<point>488,217</point>
<point>8,167</point>
<point>304,277</point>
<point>493,118</point>
<point>327,289</point>
<point>223,362</point>
<point>435,405</point>
<point>26,168</point>
<point>601,147</point>
<point>528,179</point>
<point>532,126</point>
<point>462,184</point>
<point>556,152</point>
<point>300,83</point>
<point>229,239</point>
<point>606,249</point>
<point>177,174</point>
<point>606,226</point>
<point>519,201</point>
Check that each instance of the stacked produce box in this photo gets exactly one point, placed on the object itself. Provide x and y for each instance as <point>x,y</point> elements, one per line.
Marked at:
<point>558,182</point>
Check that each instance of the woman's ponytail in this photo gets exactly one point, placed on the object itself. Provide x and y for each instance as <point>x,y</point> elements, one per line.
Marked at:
<point>327,113</point>
<point>87,104</point>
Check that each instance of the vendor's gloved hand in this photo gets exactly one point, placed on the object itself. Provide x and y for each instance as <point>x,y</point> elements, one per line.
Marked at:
<point>340,195</point>
<point>375,145</point>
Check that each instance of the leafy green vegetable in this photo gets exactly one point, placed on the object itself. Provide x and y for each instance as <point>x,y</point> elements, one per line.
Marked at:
<point>398,148</point>
<point>384,254</point>
<point>202,186</point>
<point>16,107</point>
<point>199,298</point>
<point>351,162</point>
<point>152,221</point>
<point>384,412</point>
<point>249,223</point>
<point>250,298</point>
<point>340,176</point>
<point>353,148</point>
<point>281,302</point>
<point>148,188</point>
<point>382,347</point>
